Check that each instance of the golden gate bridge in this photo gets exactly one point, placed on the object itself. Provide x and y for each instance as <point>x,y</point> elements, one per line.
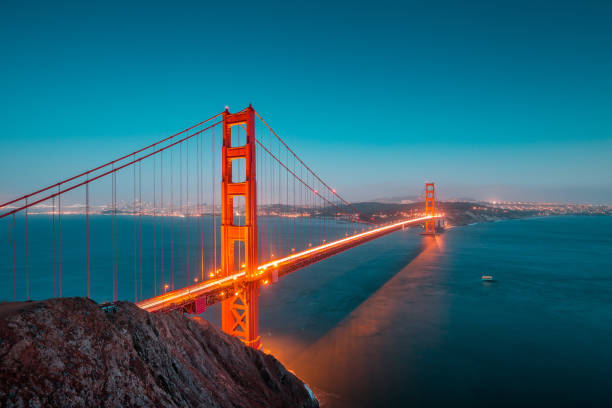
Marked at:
<point>200,245</point>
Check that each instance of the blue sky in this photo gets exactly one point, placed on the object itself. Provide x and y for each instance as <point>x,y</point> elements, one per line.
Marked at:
<point>492,100</point>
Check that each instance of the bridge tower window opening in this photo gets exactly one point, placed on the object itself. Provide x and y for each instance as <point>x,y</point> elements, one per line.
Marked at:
<point>240,313</point>
<point>430,209</point>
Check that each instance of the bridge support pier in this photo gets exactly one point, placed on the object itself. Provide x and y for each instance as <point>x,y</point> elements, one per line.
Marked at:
<point>430,209</point>
<point>240,313</point>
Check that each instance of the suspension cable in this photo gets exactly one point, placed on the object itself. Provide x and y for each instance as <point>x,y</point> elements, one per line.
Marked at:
<point>304,164</point>
<point>102,175</point>
<point>107,164</point>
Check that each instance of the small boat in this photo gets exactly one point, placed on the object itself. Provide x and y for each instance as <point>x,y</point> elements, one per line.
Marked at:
<point>487,278</point>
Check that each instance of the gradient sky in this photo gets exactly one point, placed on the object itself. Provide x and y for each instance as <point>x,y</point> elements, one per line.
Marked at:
<point>492,100</point>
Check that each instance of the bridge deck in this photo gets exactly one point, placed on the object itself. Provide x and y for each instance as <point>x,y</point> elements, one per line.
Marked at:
<point>215,290</point>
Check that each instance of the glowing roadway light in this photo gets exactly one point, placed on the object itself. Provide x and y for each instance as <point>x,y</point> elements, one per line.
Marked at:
<point>344,240</point>
<point>193,291</point>
<point>187,292</point>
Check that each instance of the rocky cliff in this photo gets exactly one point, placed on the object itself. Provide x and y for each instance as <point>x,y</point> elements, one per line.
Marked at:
<point>72,353</point>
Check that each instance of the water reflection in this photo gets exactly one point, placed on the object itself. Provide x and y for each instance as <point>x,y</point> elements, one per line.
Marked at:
<point>360,347</point>
<point>385,326</point>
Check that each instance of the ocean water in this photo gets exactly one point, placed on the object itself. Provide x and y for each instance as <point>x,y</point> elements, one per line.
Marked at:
<point>405,321</point>
<point>150,252</point>
<point>401,321</point>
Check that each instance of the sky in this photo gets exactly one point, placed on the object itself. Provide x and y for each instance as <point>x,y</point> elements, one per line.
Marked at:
<point>491,100</point>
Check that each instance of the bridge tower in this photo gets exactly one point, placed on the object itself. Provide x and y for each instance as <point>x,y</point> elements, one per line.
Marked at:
<point>240,313</point>
<point>430,208</point>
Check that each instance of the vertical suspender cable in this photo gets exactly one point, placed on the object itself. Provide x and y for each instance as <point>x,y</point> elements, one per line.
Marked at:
<point>287,200</point>
<point>181,212</point>
<point>280,226</point>
<point>113,231</point>
<point>187,216</point>
<point>279,242</point>
<point>116,244</point>
<point>140,221</point>
<point>154,229</point>
<point>335,223</point>
<point>346,224</point>
<point>14,263</point>
<point>27,254</point>
<point>269,186</point>
<point>202,205</point>
<point>172,218</point>
<point>54,290</point>
<point>272,224</point>
<point>259,201</point>
<point>135,248</point>
<point>268,208</point>
<point>269,212</point>
<point>161,205</point>
<point>214,200</point>
<point>272,184</point>
<point>325,221</point>
<point>87,233</point>
<point>320,210</point>
<point>257,189</point>
<point>294,211</point>
<point>114,234</point>
<point>198,212</point>
<point>302,209</point>
<point>59,237</point>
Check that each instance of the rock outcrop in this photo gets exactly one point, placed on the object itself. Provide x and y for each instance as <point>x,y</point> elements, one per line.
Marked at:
<point>73,353</point>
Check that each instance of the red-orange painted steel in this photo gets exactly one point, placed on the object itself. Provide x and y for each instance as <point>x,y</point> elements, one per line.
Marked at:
<point>430,208</point>
<point>114,170</point>
<point>240,312</point>
<point>238,286</point>
<point>104,165</point>
<point>219,289</point>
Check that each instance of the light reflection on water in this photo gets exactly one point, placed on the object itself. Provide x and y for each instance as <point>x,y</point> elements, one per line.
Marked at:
<point>358,341</point>
<point>406,320</point>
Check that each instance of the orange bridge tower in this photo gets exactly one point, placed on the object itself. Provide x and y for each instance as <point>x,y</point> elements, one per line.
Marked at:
<point>430,209</point>
<point>240,313</point>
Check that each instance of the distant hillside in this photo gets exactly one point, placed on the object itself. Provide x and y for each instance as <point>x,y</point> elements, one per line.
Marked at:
<point>457,213</point>
<point>397,199</point>
<point>463,213</point>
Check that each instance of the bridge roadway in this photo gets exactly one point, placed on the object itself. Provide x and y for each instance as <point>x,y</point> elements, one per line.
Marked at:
<point>194,298</point>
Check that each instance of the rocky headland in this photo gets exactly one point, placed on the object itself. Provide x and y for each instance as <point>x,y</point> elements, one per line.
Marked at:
<point>73,353</point>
